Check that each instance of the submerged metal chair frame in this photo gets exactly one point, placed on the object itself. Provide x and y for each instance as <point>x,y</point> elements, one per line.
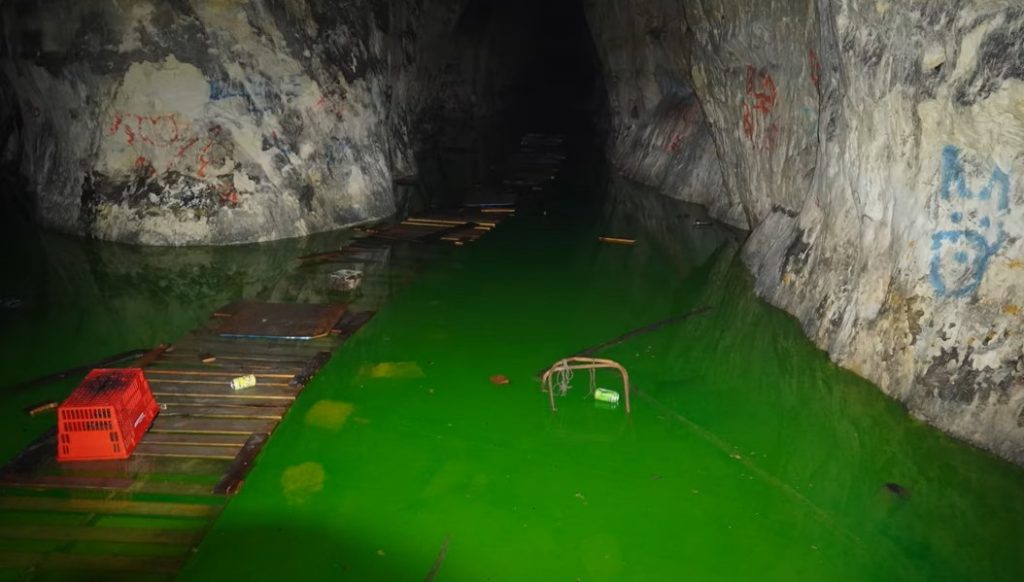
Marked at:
<point>581,363</point>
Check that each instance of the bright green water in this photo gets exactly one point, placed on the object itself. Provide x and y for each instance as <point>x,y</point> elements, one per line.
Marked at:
<point>748,455</point>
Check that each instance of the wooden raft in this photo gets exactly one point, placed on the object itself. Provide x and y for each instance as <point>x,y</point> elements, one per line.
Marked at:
<point>147,513</point>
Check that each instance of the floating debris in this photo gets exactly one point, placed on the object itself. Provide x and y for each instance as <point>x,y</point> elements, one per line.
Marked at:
<point>499,379</point>
<point>42,407</point>
<point>897,489</point>
<point>346,279</point>
<point>207,358</point>
<point>617,240</point>
<point>243,382</point>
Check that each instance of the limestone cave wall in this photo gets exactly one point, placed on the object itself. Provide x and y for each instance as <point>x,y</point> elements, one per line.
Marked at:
<point>874,150</point>
<point>213,122</point>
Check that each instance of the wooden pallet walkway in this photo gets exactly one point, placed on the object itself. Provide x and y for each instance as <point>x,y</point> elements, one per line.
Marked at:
<point>143,516</point>
<point>457,226</point>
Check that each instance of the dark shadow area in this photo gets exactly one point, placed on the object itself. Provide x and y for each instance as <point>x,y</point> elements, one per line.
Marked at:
<point>536,65</point>
<point>519,69</point>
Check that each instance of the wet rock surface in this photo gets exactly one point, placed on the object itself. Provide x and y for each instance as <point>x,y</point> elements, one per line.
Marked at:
<point>874,149</point>
<point>176,123</point>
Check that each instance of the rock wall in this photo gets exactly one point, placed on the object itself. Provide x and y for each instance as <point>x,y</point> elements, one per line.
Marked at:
<point>874,148</point>
<point>212,122</point>
<point>659,135</point>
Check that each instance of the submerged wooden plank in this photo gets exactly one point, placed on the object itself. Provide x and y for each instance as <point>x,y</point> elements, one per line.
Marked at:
<point>93,562</point>
<point>200,400</point>
<point>314,365</point>
<point>101,484</point>
<point>115,473</point>
<point>229,411</point>
<point>233,478</point>
<point>205,440</point>
<point>256,392</point>
<point>186,451</point>
<point>211,382</point>
<point>281,320</point>
<point>100,534</point>
<point>238,359</point>
<point>352,322</point>
<point>108,506</point>
<point>243,346</point>
<point>220,376</point>
<point>211,426</point>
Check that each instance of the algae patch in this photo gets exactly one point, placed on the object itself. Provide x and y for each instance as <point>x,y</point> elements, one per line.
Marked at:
<point>329,414</point>
<point>300,482</point>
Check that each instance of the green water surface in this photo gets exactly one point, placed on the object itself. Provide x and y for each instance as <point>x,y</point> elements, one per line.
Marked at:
<point>747,456</point>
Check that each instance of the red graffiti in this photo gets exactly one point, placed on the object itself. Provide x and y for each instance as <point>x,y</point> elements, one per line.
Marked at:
<point>758,104</point>
<point>114,127</point>
<point>748,121</point>
<point>228,195</point>
<point>331,103</point>
<point>761,88</point>
<point>204,159</point>
<point>815,67</point>
<point>155,130</point>
<point>673,145</point>
<point>184,149</point>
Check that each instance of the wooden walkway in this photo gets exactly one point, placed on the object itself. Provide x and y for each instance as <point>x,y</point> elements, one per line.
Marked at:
<point>458,227</point>
<point>142,517</point>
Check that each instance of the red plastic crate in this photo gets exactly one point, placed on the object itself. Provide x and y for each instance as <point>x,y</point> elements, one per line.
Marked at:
<point>106,416</point>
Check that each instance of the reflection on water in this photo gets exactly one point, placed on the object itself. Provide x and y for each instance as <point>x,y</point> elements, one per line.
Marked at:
<point>748,454</point>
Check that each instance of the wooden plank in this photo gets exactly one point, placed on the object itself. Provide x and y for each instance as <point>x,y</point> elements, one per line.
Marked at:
<point>135,468</point>
<point>211,426</point>
<point>93,562</point>
<point>281,320</point>
<point>228,411</point>
<point>256,392</point>
<point>64,482</point>
<point>227,376</point>
<point>225,367</point>
<point>205,440</point>
<point>303,377</point>
<point>244,345</point>
<point>199,400</point>
<point>234,477</point>
<point>249,345</point>
<point>151,356</point>
<point>100,534</point>
<point>162,382</point>
<point>185,451</point>
<point>352,322</point>
<point>108,506</point>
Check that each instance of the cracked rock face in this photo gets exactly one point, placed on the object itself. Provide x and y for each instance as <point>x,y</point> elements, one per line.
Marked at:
<point>212,122</point>
<point>875,149</point>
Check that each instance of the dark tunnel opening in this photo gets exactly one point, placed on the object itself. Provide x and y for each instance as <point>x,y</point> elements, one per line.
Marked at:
<point>536,62</point>
<point>520,68</point>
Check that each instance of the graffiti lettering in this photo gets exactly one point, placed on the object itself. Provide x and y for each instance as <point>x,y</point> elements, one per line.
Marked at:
<point>961,254</point>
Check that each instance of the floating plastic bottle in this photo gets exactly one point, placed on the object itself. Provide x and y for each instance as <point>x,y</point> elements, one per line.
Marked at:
<point>606,395</point>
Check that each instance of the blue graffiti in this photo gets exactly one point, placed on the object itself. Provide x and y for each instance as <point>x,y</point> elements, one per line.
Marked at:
<point>220,90</point>
<point>961,256</point>
<point>257,88</point>
<point>334,152</point>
